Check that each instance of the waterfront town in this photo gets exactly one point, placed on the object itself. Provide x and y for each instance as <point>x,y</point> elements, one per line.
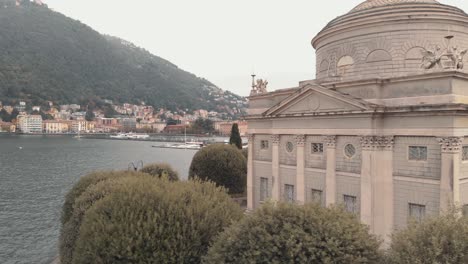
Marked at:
<point>73,119</point>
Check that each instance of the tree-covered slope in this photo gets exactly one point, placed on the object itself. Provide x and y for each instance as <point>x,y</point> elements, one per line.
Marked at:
<point>45,55</point>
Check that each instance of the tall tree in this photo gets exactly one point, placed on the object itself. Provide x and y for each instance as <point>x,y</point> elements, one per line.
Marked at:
<point>235,138</point>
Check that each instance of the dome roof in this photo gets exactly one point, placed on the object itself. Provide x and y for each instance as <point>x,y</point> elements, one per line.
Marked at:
<point>381,3</point>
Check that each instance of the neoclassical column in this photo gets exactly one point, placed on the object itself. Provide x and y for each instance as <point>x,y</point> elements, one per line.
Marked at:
<point>450,172</point>
<point>276,182</point>
<point>300,169</point>
<point>330,178</point>
<point>250,175</point>
<point>377,193</point>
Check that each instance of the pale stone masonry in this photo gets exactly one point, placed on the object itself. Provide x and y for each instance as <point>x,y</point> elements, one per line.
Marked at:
<point>383,129</point>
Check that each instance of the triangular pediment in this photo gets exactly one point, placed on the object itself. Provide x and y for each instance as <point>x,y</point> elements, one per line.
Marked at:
<point>317,99</point>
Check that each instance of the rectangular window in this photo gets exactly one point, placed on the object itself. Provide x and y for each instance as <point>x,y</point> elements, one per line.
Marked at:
<point>350,203</point>
<point>417,211</point>
<point>289,193</point>
<point>317,196</point>
<point>264,189</point>
<point>417,153</point>
<point>317,148</point>
<point>264,144</point>
<point>465,153</point>
<point>465,210</point>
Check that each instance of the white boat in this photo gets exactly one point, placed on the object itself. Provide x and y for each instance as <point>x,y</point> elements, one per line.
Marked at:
<point>130,136</point>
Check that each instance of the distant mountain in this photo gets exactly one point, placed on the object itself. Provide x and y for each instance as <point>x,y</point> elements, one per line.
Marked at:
<point>45,55</point>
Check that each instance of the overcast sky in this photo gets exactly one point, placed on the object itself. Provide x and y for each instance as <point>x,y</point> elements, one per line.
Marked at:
<point>223,41</point>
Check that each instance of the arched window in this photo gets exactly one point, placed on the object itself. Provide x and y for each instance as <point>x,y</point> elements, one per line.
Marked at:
<point>379,55</point>
<point>413,57</point>
<point>344,64</point>
<point>324,65</point>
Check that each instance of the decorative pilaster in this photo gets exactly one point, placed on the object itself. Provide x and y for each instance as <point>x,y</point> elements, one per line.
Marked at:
<point>250,175</point>
<point>276,182</point>
<point>300,169</point>
<point>450,172</point>
<point>330,178</point>
<point>377,193</point>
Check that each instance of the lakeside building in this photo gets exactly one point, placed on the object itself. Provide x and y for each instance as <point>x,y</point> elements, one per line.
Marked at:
<point>383,129</point>
<point>29,124</point>
<point>56,126</point>
<point>7,127</point>
<point>224,127</point>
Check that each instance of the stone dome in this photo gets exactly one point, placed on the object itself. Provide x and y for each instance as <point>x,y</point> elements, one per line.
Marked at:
<point>386,3</point>
<point>381,39</point>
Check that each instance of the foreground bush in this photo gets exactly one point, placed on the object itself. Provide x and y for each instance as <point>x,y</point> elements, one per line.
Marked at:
<point>83,184</point>
<point>154,221</point>
<point>442,239</point>
<point>71,229</point>
<point>295,234</point>
<point>222,164</point>
<point>161,170</point>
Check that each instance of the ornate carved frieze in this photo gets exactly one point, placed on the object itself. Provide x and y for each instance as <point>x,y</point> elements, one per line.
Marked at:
<point>330,141</point>
<point>377,142</point>
<point>300,140</point>
<point>449,58</point>
<point>275,139</point>
<point>451,144</point>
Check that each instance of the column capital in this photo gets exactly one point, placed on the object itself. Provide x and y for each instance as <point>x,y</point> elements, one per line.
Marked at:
<point>251,137</point>
<point>377,142</point>
<point>450,144</point>
<point>300,140</point>
<point>330,141</point>
<point>275,139</point>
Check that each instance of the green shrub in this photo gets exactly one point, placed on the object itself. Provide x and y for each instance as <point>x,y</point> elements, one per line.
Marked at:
<point>155,222</point>
<point>161,170</point>
<point>289,233</point>
<point>70,230</point>
<point>245,153</point>
<point>83,183</point>
<point>442,239</point>
<point>222,164</point>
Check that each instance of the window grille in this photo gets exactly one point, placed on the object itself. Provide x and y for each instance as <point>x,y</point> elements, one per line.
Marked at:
<point>289,193</point>
<point>264,189</point>
<point>417,153</point>
<point>350,203</point>
<point>417,211</point>
<point>264,144</point>
<point>317,148</point>
<point>350,151</point>
<point>289,147</point>
<point>317,196</point>
<point>465,153</point>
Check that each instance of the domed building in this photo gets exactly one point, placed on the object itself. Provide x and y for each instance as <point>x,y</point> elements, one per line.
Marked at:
<point>383,129</point>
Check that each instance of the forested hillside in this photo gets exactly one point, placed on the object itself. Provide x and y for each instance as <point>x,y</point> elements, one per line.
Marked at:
<point>45,55</point>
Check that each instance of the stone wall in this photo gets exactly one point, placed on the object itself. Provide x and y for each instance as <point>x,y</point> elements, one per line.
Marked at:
<point>287,158</point>
<point>261,170</point>
<point>287,176</point>
<point>314,180</point>
<point>402,166</point>
<point>346,185</point>
<point>259,153</point>
<point>344,163</point>
<point>464,193</point>
<point>315,160</point>
<point>416,193</point>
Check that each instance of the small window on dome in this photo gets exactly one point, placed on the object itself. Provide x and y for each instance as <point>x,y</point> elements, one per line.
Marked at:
<point>345,61</point>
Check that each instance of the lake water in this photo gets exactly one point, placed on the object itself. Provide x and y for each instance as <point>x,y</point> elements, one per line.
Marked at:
<point>37,171</point>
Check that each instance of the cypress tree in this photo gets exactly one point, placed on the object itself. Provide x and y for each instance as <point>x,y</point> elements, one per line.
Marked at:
<point>235,138</point>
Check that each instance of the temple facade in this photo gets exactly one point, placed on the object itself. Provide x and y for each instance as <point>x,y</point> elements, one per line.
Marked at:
<point>382,129</point>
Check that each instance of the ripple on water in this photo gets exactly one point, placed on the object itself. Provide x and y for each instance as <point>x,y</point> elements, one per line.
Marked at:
<point>35,179</point>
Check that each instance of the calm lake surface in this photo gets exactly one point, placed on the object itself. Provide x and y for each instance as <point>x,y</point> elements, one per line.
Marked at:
<point>35,179</point>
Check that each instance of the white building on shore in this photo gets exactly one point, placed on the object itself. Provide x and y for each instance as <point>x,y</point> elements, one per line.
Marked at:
<point>29,124</point>
<point>383,129</point>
